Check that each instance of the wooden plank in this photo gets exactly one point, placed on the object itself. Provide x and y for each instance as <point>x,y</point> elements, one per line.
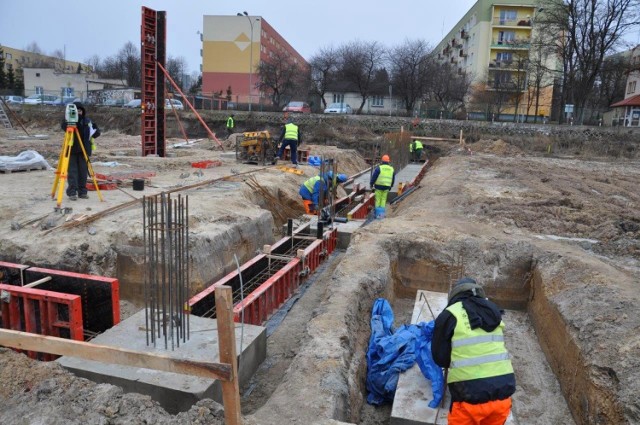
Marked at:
<point>227,344</point>
<point>111,355</point>
<point>436,139</point>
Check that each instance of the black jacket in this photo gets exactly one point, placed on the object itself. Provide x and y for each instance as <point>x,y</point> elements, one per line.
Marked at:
<point>84,126</point>
<point>486,315</point>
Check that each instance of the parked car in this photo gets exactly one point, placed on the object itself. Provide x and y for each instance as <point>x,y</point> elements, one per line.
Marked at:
<point>58,101</point>
<point>114,102</point>
<point>173,104</point>
<point>135,103</point>
<point>39,99</point>
<point>13,99</point>
<point>297,106</point>
<point>338,108</point>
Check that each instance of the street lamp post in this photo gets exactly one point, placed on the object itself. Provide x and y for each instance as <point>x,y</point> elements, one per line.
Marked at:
<point>250,57</point>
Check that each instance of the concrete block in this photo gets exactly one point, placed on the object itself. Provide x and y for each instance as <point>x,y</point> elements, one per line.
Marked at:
<point>175,392</point>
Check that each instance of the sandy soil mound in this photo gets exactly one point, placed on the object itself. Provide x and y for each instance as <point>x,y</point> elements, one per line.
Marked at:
<point>496,147</point>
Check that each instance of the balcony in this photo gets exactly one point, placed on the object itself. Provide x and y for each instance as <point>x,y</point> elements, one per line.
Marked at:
<point>464,35</point>
<point>518,22</point>
<point>517,44</point>
<point>463,54</point>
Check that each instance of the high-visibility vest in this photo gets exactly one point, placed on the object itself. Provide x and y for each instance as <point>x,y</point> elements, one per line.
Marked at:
<point>291,131</point>
<point>309,184</point>
<point>475,353</point>
<point>230,123</point>
<point>418,144</point>
<point>386,175</point>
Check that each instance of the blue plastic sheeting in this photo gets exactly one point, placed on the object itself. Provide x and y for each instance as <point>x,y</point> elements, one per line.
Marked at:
<point>394,351</point>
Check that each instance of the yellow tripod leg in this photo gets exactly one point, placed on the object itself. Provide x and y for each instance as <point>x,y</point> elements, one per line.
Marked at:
<point>90,168</point>
<point>63,166</point>
<point>56,180</point>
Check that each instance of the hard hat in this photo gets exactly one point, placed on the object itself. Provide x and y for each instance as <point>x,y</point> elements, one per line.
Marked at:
<point>385,158</point>
<point>466,284</point>
<point>342,178</point>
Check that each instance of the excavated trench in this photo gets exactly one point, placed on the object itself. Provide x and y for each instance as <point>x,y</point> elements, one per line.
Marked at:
<point>516,281</point>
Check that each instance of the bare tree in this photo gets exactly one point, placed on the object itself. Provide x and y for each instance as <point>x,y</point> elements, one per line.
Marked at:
<point>592,29</point>
<point>129,61</point>
<point>280,78</point>
<point>34,48</point>
<point>177,69</point>
<point>324,67</point>
<point>448,86</point>
<point>94,63</point>
<point>58,53</point>
<point>411,65</point>
<point>359,62</point>
<point>609,86</point>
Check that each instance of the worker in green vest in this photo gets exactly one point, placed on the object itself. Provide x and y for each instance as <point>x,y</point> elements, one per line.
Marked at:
<point>415,148</point>
<point>231,125</point>
<point>468,339</point>
<point>310,190</point>
<point>382,181</point>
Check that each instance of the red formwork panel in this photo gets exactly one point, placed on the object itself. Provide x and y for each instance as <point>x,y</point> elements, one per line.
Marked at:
<point>419,176</point>
<point>12,273</point>
<point>330,240</point>
<point>268,297</point>
<point>313,255</point>
<point>226,280</point>
<point>100,295</point>
<point>42,312</point>
<point>361,211</point>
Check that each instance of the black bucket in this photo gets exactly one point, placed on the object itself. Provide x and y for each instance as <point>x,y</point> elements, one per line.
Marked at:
<point>138,184</point>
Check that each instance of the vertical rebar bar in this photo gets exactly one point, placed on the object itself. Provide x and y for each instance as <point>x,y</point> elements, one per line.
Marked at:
<point>166,252</point>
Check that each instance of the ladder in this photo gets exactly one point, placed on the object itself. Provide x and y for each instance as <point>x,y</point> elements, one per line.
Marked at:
<point>4,119</point>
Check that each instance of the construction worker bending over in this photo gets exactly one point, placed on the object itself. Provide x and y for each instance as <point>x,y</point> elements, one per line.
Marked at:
<point>78,167</point>
<point>310,190</point>
<point>382,181</point>
<point>415,148</point>
<point>468,339</point>
<point>292,137</point>
<point>231,125</point>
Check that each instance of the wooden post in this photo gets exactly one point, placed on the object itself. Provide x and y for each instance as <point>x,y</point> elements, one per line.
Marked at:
<point>227,344</point>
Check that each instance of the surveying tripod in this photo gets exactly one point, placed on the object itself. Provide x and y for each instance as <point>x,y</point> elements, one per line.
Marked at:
<point>71,117</point>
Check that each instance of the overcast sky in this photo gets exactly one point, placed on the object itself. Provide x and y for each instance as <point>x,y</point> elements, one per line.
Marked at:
<point>85,28</point>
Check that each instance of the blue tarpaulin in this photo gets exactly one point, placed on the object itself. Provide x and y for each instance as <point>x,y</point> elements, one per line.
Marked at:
<point>394,351</point>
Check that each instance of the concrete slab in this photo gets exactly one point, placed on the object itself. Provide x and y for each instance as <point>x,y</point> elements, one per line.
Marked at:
<point>413,394</point>
<point>175,392</point>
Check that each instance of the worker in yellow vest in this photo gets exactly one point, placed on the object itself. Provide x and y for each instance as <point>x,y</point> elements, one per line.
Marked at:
<point>310,190</point>
<point>468,339</point>
<point>231,125</point>
<point>382,181</point>
<point>291,136</point>
<point>415,149</point>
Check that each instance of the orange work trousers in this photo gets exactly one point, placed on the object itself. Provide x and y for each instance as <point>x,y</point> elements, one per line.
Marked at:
<point>489,413</point>
<point>307,206</point>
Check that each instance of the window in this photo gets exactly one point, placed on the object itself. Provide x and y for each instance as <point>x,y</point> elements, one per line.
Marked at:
<point>338,98</point>
<point>39,90</point>
<point>505,37</point>
<point>67,91</point>
<point>631,87</point>
<point>37,74</point>
<point>504,57</point>
<point>377,101</point>
<point>507,16</point>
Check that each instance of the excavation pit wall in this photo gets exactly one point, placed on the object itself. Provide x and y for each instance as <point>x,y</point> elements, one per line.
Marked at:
<point>329,372</point>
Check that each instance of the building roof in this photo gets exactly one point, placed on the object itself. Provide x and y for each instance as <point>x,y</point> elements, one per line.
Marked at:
<point>630,101</point>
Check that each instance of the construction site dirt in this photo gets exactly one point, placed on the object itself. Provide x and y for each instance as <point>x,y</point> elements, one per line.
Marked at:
<point>554,239</point>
